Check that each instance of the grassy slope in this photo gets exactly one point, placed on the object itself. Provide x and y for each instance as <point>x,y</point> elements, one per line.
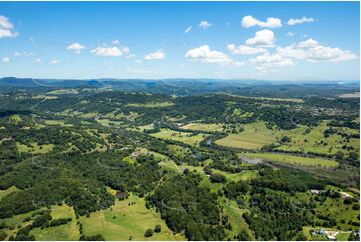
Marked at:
<point>203,127</point>
<point>254,136</point>
<point>122,221</point>
<point>69,231</point>
<point>184,137</point>
<point>292,159</point>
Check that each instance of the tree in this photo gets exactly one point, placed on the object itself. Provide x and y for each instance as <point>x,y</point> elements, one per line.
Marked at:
<point>157,228</point>
<point>148,233</point>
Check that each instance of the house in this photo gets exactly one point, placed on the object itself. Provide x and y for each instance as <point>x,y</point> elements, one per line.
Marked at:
<point>344,195</point>
<point>121,195</point>
<point>314,191</point>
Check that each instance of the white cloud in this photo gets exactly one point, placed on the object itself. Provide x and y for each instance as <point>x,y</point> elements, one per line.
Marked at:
<point>5,60</point>
<point>76,48</point>
<point>24,53</point>
<point>38,60</point>
<point>290,34</point>
<point>302,20</point>
<point>157,55</point>
<point>115,42</point>
<point>272,61</point>
<point>325,53</point>
<point>244,50</point>
<point>249,21</point>
<point>111,51</point>
<point>140,71</point>
<point>204,54</point>
<point>313,51</point>
<point>291,52</point>
<point>54,62</point>
<point>263,38</point>
<point>310,43</point>
<point>6,28</point>
<point>204,25</point>
<point>187,30</point>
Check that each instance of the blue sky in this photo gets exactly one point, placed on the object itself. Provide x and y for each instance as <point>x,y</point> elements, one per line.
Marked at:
<point>231,40</point>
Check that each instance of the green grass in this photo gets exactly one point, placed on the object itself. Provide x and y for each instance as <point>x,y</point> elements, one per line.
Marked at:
<point>343,236</point>
<point>34,148</point>
<point>151,105</point>
<point>203,127</point>
<point>107,122</point>
<point>300,141</point>
<point>179,151</point>
<point>6,192</point>
<point>294,100</point>
<point>184,137</point>
<point>69,231</point>
<point>57,122</point>
<point>15,119</point>
<point>63,91</point>
<point>122,221</point>
<point>241,114</point>
<point>254,136</point>
<point>234,213</point>
<point>292,159</point>
<point>44,97</point>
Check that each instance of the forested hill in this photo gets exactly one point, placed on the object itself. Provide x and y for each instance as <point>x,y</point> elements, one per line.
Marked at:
<point>185,87</point>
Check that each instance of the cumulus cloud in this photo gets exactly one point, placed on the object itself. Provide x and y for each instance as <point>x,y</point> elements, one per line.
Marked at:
<point>249,21</point>
<point>268,61</point>
<point>111,51</point>
<point>206,55</point>
<point>263,38</point>
<point>291,52</point>
<point>302,20</point>
<point>187,30</point>
<point>54,62</point>
<point>244,50</point>
<point>313,51</point>
<point>38,60</point>
<point>5,59</point>
<point>6,28</point>
<point>204,25</point>
<point>157,55</point>
<point>310,43</point>
<point>76,48</point>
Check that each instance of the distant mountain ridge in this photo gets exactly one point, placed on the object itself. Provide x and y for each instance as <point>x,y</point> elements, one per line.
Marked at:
<point>180,86</point>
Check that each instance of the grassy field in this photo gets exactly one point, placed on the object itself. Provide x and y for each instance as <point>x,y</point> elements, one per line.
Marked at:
<point>292,159</point>
<point>122,221</point>
<point>333,208</point>
<point>107,122</point>
<point>11,189</point>
<point>254,136</point>
<point>34,148</point>
<point>57,122</point>
<point>294,100</point>
<point>203,127</point>
<point>63,91</point>
<point>150,105</point>
<point>184,137</point>
<point>303,139</point>
<point>44,97</point>
<point>234,213</point>
<point>310,142</point>
<point>179,151</point>
<point>69,231</point>
<point>15,119</point>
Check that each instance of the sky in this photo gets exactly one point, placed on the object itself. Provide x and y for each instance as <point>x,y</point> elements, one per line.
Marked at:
<point>156,40</point>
